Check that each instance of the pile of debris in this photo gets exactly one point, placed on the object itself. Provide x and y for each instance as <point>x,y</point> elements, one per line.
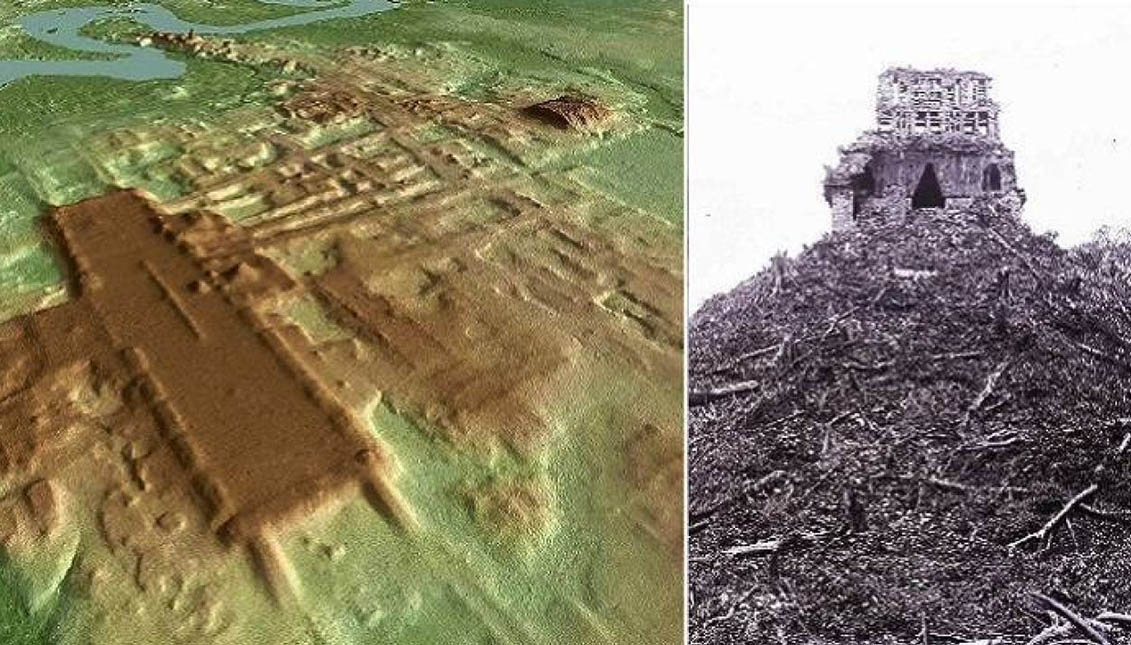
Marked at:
<point>915,434</point>
<point>323,106</point>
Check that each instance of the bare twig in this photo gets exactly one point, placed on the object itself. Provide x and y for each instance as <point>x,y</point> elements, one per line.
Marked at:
<point>772,545</point>
<point>958,355</point>
<point>1072,617</point>
<point>699,397</point>
<point>878,367</point>
<point>762,546</point>
<point>1120,516</point>
<point>702,519</point>
<point>1044,531</point>
<point>741,358</point>
<point>988,388</point>
<point>1112,617</point>
<point>1092,351</point>
<point>1017,254</point>
<point>953,485</point>
<point>989,445</point>
<point>1061,631</point>
<point>733,607</point>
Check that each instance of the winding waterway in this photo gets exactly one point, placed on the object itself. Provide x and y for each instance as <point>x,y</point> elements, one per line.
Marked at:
<point>60,27</point>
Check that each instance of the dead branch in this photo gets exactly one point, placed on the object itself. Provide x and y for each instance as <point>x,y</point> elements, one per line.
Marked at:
<point>773,545</point>
<point>988,388</point>
<point>1112,617</point>
<point>702,519</point>
<point>741,358</point>
<point>1092,351</point>
<point>1072,617</point>
<point>1044,531</point>
<point>762,546</point>
<point>700,397</point>
<point>990,445</point>
<point>1120,516</point>
<point>698,526</point>
<point>966,488</point>
<point>733,607</point>
<point>957,356</point>
<point>878,367</point>
<point>1061,631</point>
<point>1017,254</point>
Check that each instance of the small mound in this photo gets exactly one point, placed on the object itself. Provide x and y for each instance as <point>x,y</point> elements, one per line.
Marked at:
<point>242,274</point>
<point>878,424</point>
<point>570,113</point>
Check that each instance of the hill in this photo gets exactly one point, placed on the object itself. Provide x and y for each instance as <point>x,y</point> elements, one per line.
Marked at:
<point>915,432</point>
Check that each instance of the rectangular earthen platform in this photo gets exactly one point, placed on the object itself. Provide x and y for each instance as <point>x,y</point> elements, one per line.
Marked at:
<point>260,439</point>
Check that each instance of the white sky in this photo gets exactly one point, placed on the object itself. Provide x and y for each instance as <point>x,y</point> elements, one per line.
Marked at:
<point>772,91</point>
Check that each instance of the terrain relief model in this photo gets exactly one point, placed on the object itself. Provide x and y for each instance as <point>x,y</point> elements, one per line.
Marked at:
<point>340,322</point>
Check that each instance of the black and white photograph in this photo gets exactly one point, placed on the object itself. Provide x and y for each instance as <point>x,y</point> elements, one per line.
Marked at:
<point>909,333</point>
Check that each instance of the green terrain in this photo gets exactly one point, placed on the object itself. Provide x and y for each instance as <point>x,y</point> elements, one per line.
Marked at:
<point>486,577</point>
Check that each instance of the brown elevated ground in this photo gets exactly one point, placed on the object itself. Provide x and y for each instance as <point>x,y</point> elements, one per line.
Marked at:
<point>260,440</point>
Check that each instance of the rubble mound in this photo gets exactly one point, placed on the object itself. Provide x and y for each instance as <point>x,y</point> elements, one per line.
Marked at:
<point>915,433</point>
<point>570,112</point>
<point>323,106</point>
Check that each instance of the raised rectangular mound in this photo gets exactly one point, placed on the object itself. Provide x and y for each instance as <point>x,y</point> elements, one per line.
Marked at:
<point>260,440</point>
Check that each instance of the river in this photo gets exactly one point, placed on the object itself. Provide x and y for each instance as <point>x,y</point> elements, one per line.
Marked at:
<point>60,27</point>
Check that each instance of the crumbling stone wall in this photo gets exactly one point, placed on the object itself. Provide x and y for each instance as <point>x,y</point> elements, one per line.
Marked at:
<point>910,101</point>
<point>880,173</point>
<point>841,200</point>
<point>960,174</point>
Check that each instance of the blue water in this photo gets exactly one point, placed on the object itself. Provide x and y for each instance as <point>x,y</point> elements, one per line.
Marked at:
<point>135,63</point>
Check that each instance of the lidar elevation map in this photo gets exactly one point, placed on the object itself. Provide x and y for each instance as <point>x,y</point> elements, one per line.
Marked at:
<point>341,321</point>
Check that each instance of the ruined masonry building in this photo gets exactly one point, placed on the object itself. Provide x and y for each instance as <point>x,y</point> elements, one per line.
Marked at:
<point>935,150</point>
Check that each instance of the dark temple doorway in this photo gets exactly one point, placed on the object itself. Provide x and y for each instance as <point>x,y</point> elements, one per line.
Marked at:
<point>991,178</point>
<point>928,194</point>
<point>863,186</point>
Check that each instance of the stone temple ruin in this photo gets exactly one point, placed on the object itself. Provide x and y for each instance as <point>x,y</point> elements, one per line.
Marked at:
<point>935,149</point>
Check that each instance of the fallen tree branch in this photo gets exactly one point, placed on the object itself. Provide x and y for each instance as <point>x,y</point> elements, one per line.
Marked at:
<point>1017,254</point>
<point>1072,617</point>
<point>1044,531</point>
<point>773,545</point>
<point>878,367</point>
<point>1112,617</point>
<point>733,607</point>
<point>763,546</point>
<point>988,388</point>
<point>966,488</point>
<point>699,397</point>
<point>957,355</point>
<point>1092,351</point>
<point>702,519</point>
<point>1124,516</point>
<point>730,365</point>
<point>989,445</point>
